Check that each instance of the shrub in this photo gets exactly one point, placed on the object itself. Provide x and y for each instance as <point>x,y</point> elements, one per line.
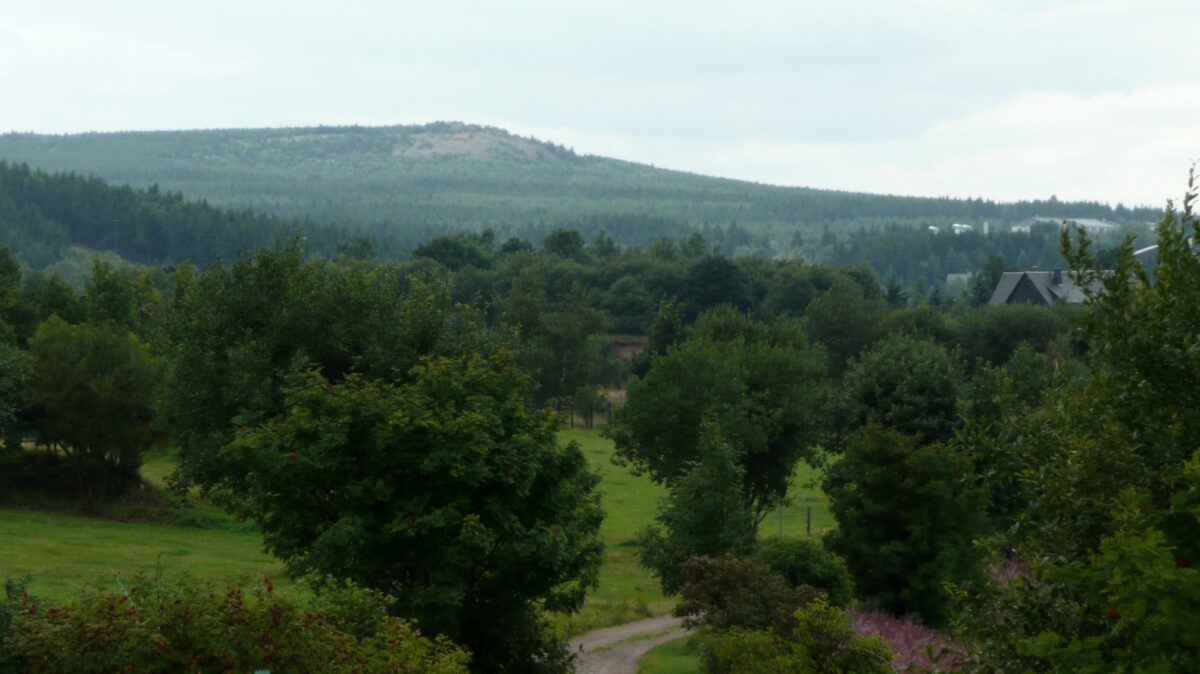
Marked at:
<point>725,592</point>
<point>186,627</point>
<point>802,562</point>
<point>823,643</point>
<point>14,592</point>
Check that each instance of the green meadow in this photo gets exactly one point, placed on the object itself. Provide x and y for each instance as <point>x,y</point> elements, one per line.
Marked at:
<point>60,553</point>
<point>674,657</point>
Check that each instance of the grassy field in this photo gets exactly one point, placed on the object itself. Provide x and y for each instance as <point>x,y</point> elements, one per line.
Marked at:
<point>627,591</point>
<point>805,495</point>
<point>673,657</point>
<point>60,553</point>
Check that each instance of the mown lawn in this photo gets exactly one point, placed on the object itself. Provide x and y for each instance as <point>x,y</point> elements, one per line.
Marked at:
<point>60,553</point>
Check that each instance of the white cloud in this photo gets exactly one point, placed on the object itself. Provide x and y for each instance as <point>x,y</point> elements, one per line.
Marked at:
<point>1000,98</point>
<point>1133,147</point>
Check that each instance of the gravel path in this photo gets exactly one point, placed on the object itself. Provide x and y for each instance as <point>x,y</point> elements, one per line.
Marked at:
<point>616,650</point>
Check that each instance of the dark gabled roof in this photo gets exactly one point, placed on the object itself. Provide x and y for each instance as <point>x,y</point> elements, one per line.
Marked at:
<point>1050,286</point>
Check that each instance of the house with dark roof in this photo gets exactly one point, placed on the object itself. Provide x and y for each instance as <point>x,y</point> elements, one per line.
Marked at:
<point>1041,287</point>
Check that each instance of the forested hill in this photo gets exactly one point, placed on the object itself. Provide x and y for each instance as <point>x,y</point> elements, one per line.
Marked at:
<point>404,184</point>
<point>43,215</point>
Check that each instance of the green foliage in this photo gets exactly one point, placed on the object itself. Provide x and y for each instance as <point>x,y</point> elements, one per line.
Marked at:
<point>1126,607</point>
<point>445,491</point>
<point>42,214</point>
<point>564,242</point>
<point>15,597</point>
<point>907,516</point>
<point>704,513</point>
<point>14,377</point>
<point>10,286</point>
<point>1112,515</point>
<point>665,331</point>
<point>456,251</point>
<point>726,592</point>
<point>764,388</point>
<point>824,642</point>
<point>845,321</point>
<point>804,562</point>
<point>993,332</point>
<point>908,384</point>
<point>109,296</point>
<point>187,627</point>
<point>95,387</point>
<point>238,330</point>
<point>715,280</point>
<point>919,321</point>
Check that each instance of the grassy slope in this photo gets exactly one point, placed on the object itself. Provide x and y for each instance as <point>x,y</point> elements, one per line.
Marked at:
<point>62,552</point>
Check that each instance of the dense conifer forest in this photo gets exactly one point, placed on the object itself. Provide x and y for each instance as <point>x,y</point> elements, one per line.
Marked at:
<point>402,185</point>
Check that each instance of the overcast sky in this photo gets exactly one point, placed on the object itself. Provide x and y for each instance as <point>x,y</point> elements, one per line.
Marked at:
<point>1007,99</point>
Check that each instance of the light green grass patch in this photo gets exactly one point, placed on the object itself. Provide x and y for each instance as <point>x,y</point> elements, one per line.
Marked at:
<point>627,592</point>
<point>677,656</point>
<point>804,494</point>
<point>62,553</point>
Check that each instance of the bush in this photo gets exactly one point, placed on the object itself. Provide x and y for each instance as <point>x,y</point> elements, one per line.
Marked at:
<point>801,562</point>
<point>14,595</point>
<point>725,592</point>
<point>823,643</point>
<point>186,627</point>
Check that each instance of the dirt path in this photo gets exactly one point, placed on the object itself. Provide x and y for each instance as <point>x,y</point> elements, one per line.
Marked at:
<point>616,650</point>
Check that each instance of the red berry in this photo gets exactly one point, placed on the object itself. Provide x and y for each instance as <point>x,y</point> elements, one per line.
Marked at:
<point>1114,615</point>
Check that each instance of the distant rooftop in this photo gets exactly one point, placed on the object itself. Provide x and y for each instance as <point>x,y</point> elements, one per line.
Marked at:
<point>1041,287</point>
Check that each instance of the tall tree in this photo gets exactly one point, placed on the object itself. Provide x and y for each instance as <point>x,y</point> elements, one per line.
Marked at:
<point>96,387</point>
<point>446,491</point>
<point>704,513</point>
<point>765,390</point>
<point>907,517</point>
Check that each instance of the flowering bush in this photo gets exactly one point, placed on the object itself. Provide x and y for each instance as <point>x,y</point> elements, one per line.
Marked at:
<point>914,646</point>
<point>187,627</point>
